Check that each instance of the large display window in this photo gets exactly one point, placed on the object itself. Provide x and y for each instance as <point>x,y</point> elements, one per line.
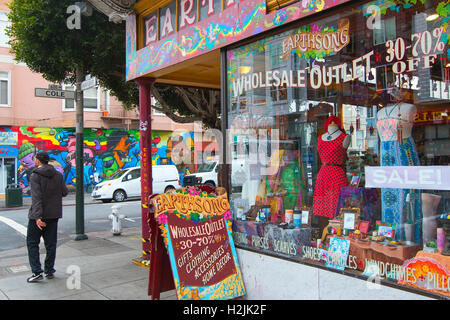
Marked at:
<point>339,139</point>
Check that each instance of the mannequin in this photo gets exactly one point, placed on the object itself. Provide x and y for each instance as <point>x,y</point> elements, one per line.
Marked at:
<point>333,132</point>
<point>332,147</point>
<point>397,148</point>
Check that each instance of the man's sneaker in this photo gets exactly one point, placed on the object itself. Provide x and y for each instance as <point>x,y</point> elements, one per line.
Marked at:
<point>35,277</point>
<point>49,275</point>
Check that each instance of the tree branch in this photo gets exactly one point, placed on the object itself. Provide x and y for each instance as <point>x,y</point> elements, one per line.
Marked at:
<point>169,113</point>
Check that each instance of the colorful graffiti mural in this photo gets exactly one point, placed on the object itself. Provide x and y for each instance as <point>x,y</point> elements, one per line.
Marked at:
<point>106,151</point>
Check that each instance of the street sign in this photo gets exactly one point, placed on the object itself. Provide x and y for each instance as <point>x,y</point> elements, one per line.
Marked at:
<point>52,93</point>
<point>88,83</point>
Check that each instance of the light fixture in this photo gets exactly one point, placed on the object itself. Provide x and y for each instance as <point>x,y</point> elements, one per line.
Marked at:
<point>245,69</point>
<point>432,17</point>
<point>430,11</point>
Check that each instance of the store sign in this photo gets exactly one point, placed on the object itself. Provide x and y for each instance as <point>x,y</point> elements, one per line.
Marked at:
<point>431,117</point>
<point>187,16</point>
<point>196,227</point>
<point>427,274</point>
<point>423,51</point>
<point>8,152</point>
<point>328,41</point>
<point>315,77</point>
<point>408,177</point>
<point>9,138</point>
<point>236,22</point>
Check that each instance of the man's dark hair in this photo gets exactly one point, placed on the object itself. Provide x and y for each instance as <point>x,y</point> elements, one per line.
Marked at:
<point>43,157</point>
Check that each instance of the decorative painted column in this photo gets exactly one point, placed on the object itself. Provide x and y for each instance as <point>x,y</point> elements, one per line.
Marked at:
<point>145,130</point>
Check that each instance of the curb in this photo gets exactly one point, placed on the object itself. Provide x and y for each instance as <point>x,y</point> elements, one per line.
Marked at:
<point>28,206</point>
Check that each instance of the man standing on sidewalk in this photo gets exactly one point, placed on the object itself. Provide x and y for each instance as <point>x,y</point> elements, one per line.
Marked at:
<point>47,190</point>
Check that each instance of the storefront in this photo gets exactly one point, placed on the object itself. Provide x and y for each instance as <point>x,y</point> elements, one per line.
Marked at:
<point>324,102</point>
<point>337,135</point>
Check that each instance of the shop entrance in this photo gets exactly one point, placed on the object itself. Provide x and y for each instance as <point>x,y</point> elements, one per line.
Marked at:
<point>8,173</point>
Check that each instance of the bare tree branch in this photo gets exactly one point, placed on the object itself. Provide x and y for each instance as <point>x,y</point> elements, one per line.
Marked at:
<point>169,113</point>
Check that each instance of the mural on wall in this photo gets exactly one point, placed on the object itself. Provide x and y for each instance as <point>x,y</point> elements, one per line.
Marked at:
<point>171,148</point>
<point>106,151</point>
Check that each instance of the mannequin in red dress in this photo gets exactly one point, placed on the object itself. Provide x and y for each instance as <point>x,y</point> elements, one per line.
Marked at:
<point>332,148</point>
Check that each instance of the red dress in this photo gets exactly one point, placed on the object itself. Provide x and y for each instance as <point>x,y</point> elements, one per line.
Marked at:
<point>331,177</point>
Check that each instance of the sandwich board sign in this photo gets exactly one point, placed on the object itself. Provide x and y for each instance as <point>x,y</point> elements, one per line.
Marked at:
<point>196,227</point>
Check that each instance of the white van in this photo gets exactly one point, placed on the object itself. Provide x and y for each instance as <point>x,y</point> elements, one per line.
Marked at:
<point>205,174</point>
<point>126,184</point>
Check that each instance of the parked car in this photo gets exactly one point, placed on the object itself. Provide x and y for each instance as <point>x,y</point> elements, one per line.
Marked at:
<point>126,184</point>
<point>205,174</point>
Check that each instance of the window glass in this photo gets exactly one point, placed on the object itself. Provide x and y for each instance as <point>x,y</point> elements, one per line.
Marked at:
<point>167,19</point>
<point>133,174</point>
<point>206,167</point>
<point>4,87</point>
<point>209,7</point>
<point>187,13</point>
<point>4,23</point>
<point>90,98</point>
<point>3,92</point>
<point>339,141</point>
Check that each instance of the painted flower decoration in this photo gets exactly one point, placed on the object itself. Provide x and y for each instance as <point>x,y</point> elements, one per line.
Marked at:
<point>227,215</point>
<point>162,219</point>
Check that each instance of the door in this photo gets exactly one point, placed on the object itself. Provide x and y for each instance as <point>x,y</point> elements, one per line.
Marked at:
<point>131,183</point>
<point>7,172</point>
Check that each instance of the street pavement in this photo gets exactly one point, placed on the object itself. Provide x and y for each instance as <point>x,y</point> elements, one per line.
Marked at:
<point>100,268</point>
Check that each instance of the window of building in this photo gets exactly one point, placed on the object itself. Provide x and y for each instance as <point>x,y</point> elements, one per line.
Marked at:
<point>386,30</point>
<point>106,99</point>
<point>4,23</point>
<point>91,99</point>
<point>340,158</point>
<point>5,88</point>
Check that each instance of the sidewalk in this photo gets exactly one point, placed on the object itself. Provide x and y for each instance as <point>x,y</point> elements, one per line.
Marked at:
<point>69,200</point>
<point>99,268</point>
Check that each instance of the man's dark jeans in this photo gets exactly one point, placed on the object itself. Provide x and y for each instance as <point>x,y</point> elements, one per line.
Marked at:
<point>49,233</point>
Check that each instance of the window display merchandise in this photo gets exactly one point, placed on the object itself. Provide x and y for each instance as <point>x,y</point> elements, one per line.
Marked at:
<point>332,149</point>
<point>311,109</point>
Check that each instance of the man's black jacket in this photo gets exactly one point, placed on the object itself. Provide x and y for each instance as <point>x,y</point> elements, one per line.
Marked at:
<point>47,190</point>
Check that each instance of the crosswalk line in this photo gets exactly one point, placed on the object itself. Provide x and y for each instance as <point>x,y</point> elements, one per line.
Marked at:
<point>16,226</point>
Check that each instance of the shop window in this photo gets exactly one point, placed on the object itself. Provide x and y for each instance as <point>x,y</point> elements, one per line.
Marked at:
<point>340,148</point>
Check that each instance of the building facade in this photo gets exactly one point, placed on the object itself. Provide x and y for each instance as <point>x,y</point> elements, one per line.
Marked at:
<point>336,135</point>
<point>30,124</point>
